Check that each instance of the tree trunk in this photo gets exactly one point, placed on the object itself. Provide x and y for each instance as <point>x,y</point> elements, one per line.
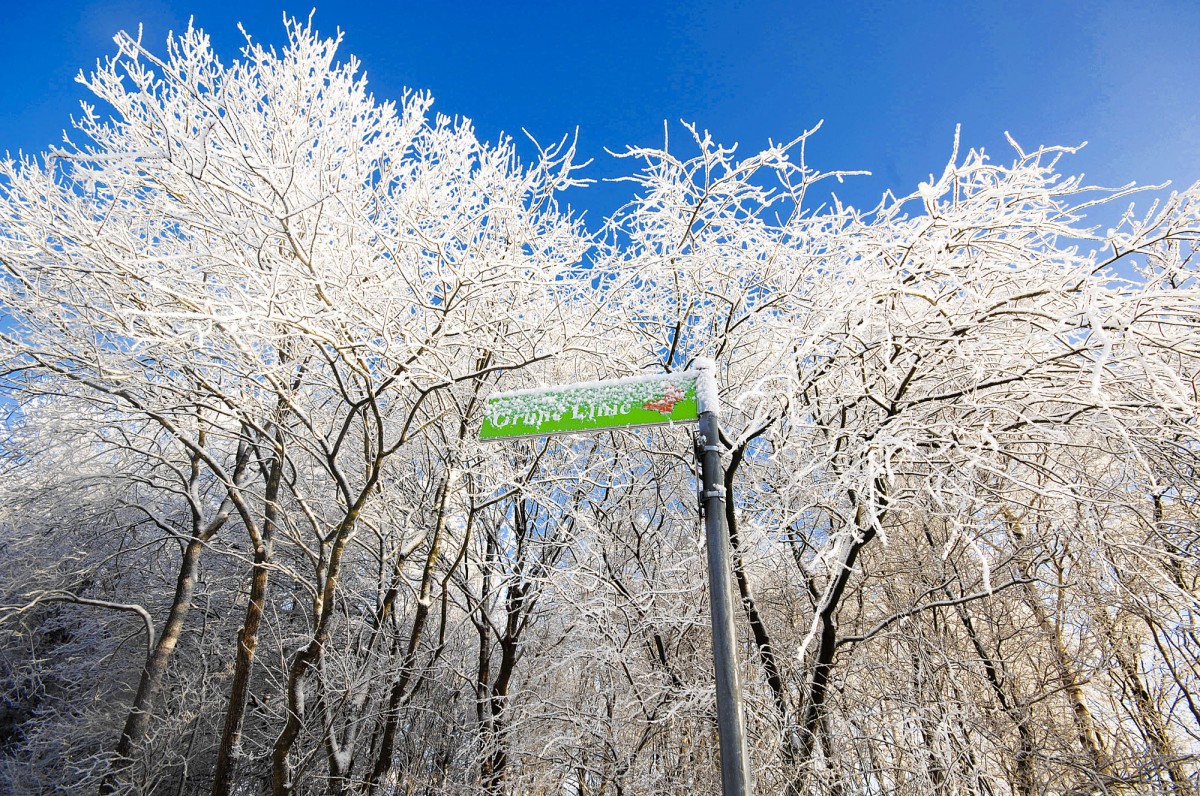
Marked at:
<point>138,721</point>
<point>495,763</point>
<point>1085,725</point>
<point>789,741</point>
<point>247,642</point>
<point>827,642</point>
<point>1148,717</point>
<point>1019,714</point>
<point>310,658</point>
<point>762,638</point>
<point>400,688</point>
<point>247,638</point>
<point>933,762</point>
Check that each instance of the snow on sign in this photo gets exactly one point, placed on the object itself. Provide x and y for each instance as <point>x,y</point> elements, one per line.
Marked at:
<point>591,406</point>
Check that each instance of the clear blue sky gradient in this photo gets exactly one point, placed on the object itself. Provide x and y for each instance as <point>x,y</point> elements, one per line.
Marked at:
<point>891,80</point>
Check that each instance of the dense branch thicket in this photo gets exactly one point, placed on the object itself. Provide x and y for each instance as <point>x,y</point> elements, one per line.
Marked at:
<point>250,543</point>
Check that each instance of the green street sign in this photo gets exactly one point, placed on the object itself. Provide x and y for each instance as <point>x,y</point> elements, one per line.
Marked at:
<point>591,406</point>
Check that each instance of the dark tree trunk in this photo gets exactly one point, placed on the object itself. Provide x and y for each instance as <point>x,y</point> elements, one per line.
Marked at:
<point>1019,714</point>
<point>141,712</point>
<point>400,690</point>
<point>247,638</point>
<point>866,518</point>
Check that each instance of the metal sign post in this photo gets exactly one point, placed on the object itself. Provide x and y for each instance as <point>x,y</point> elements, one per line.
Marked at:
<point>731,724</point>
<point>686,397</point>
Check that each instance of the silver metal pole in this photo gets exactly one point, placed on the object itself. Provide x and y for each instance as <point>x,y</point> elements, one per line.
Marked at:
<point>731,724</point>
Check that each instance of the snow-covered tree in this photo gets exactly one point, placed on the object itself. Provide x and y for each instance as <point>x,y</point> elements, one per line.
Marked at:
<point>292,282</point>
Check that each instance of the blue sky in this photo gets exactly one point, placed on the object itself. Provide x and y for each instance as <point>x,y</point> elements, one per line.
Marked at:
<point>890,80</point>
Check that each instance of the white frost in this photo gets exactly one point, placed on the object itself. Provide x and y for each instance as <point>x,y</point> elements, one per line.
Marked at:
<point>707,397</point>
